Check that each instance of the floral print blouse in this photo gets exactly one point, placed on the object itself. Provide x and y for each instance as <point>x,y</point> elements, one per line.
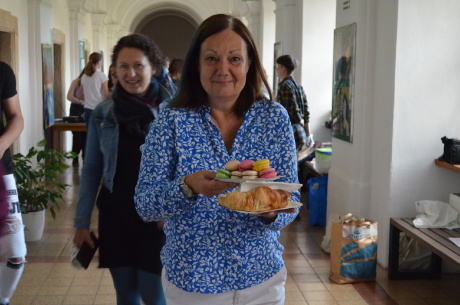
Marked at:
<point>210,249</point>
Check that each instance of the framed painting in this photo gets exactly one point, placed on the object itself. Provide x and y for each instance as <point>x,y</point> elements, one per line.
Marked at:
<point>48,79</point>
<point>343,82</point>
<point>276,53</point>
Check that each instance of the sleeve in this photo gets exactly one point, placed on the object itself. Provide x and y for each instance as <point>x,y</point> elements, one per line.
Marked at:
<point>9,82</point>
<point>157,194</point>
<point>90,177</point>
<point>285,161</point>
<point>306,113</point>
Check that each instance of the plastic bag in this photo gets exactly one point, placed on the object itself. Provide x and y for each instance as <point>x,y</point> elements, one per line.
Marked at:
<point>412,255</point>
<point>434,214</point>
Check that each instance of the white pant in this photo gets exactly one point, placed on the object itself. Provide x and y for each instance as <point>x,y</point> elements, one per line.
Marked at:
<point>270,292</point>
<point>12,244</point>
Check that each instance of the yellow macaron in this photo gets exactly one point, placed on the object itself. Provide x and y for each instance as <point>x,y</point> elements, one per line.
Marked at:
<point>261,165</point>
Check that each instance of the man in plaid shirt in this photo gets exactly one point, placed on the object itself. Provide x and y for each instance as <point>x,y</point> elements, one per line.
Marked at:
<point>293,98</point>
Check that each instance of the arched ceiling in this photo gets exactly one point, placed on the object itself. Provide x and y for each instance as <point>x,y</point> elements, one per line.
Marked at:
<point>129,14</point>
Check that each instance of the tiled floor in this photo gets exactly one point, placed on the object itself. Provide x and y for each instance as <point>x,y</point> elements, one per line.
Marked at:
<point>50,279</point>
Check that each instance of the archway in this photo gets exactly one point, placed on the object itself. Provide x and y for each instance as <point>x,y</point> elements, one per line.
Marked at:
<point>172,30</point>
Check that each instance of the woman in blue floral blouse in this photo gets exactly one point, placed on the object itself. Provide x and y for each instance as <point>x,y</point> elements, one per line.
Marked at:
<point>214,255</point>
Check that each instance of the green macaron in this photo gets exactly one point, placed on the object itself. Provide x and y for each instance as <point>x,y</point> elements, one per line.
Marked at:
<point>223,174</point>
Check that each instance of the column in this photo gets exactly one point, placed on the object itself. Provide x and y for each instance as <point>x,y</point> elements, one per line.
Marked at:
<point>252,10</point>
<point>97,20</point>
<point>77,12</point>
<point>289,29</point>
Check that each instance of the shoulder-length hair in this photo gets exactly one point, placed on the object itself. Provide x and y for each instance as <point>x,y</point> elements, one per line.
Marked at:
<point>191,93</point>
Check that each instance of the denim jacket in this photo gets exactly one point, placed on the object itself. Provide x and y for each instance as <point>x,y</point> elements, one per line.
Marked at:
<point>101,157</point>
<point>100,160</point>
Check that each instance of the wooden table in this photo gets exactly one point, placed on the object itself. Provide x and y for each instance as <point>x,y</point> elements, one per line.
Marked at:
<point>58,128</point>
<point>436,240</point>
<point>68,127</point>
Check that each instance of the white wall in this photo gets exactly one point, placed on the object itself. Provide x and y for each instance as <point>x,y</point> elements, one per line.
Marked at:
<point>405,101</point>
<point>268,26</point>
<point>316,64</point>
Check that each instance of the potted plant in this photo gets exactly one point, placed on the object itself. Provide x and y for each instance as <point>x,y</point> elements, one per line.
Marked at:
<point>37,182</point>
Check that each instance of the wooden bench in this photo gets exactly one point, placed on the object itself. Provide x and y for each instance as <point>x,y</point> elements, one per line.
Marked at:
<point>436,240</point>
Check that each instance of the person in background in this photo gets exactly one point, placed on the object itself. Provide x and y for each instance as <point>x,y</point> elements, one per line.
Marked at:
<point>128,246</point>
<point>292,96</point>
<point>94,84</point>
<point>12,244</point>
<point>164,79</point>
<point>76,96</point>
<point>214,255</point>
<point>175,70</point>
<point>113,78</point>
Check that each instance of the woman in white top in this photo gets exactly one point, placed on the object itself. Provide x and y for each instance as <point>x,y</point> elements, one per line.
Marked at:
<point>94,84</point>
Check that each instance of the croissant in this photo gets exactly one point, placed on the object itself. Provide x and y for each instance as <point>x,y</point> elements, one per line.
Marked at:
<point>261,198</point>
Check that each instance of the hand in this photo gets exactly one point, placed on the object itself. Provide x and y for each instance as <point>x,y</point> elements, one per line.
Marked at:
<point>273,214</point>
<point>202,182</point>
<point>309,141</point>
<point>82,235</point>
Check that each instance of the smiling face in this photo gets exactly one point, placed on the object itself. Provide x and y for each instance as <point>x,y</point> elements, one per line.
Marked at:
<point>134,71</point>
<point>223,66</point>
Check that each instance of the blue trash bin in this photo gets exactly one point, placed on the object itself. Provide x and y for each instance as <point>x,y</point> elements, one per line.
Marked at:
<point>317,200</point>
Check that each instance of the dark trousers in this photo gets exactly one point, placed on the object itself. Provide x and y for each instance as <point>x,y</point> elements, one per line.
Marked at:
<point>78,138</point>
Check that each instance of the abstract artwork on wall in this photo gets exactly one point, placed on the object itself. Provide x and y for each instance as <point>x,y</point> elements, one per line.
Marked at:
<point>48,79</point>
<point>343,82</point>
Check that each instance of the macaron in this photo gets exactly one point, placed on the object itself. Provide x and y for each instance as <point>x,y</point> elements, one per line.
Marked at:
<point>233,165</point>
<point>261,165</point>
<point>267,173</point>
<point>249,175</point>
<point>223,174</point>
<point>236,175</point>
<point>246,165</point>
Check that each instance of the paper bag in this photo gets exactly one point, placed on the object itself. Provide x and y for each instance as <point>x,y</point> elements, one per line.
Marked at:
<point>353,250</point>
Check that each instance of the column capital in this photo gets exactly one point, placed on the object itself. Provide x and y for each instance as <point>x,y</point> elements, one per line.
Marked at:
<point>250,7</point>
<point>77,9</point>
<point>281,3</point>
<point>97,20</point>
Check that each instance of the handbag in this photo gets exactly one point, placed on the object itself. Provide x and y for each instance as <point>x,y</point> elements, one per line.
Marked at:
<point>451,150</point>
<point>353,250</point>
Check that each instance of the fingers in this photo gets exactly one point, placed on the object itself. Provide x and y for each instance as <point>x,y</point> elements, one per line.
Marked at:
<point>82,235</point>
<point>203,182</point>
<point>273,214</point>
<point>212,187</point>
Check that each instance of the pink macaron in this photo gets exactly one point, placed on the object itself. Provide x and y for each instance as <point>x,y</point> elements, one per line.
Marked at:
<point>267,173</point>
<point>245,165</point>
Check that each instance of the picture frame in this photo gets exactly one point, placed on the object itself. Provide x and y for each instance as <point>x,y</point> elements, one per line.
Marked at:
<point>343,82</point>
<point>48,80</point>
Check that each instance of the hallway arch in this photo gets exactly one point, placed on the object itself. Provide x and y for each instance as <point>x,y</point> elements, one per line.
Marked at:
<point>172,30</point>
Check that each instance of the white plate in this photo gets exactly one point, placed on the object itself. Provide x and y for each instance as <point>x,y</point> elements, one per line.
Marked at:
<point>291,204</point>
<point>249,185</point>
<point>245,180</point>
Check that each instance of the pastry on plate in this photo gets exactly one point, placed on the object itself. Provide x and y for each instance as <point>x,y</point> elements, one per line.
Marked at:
<point>261,198</point>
